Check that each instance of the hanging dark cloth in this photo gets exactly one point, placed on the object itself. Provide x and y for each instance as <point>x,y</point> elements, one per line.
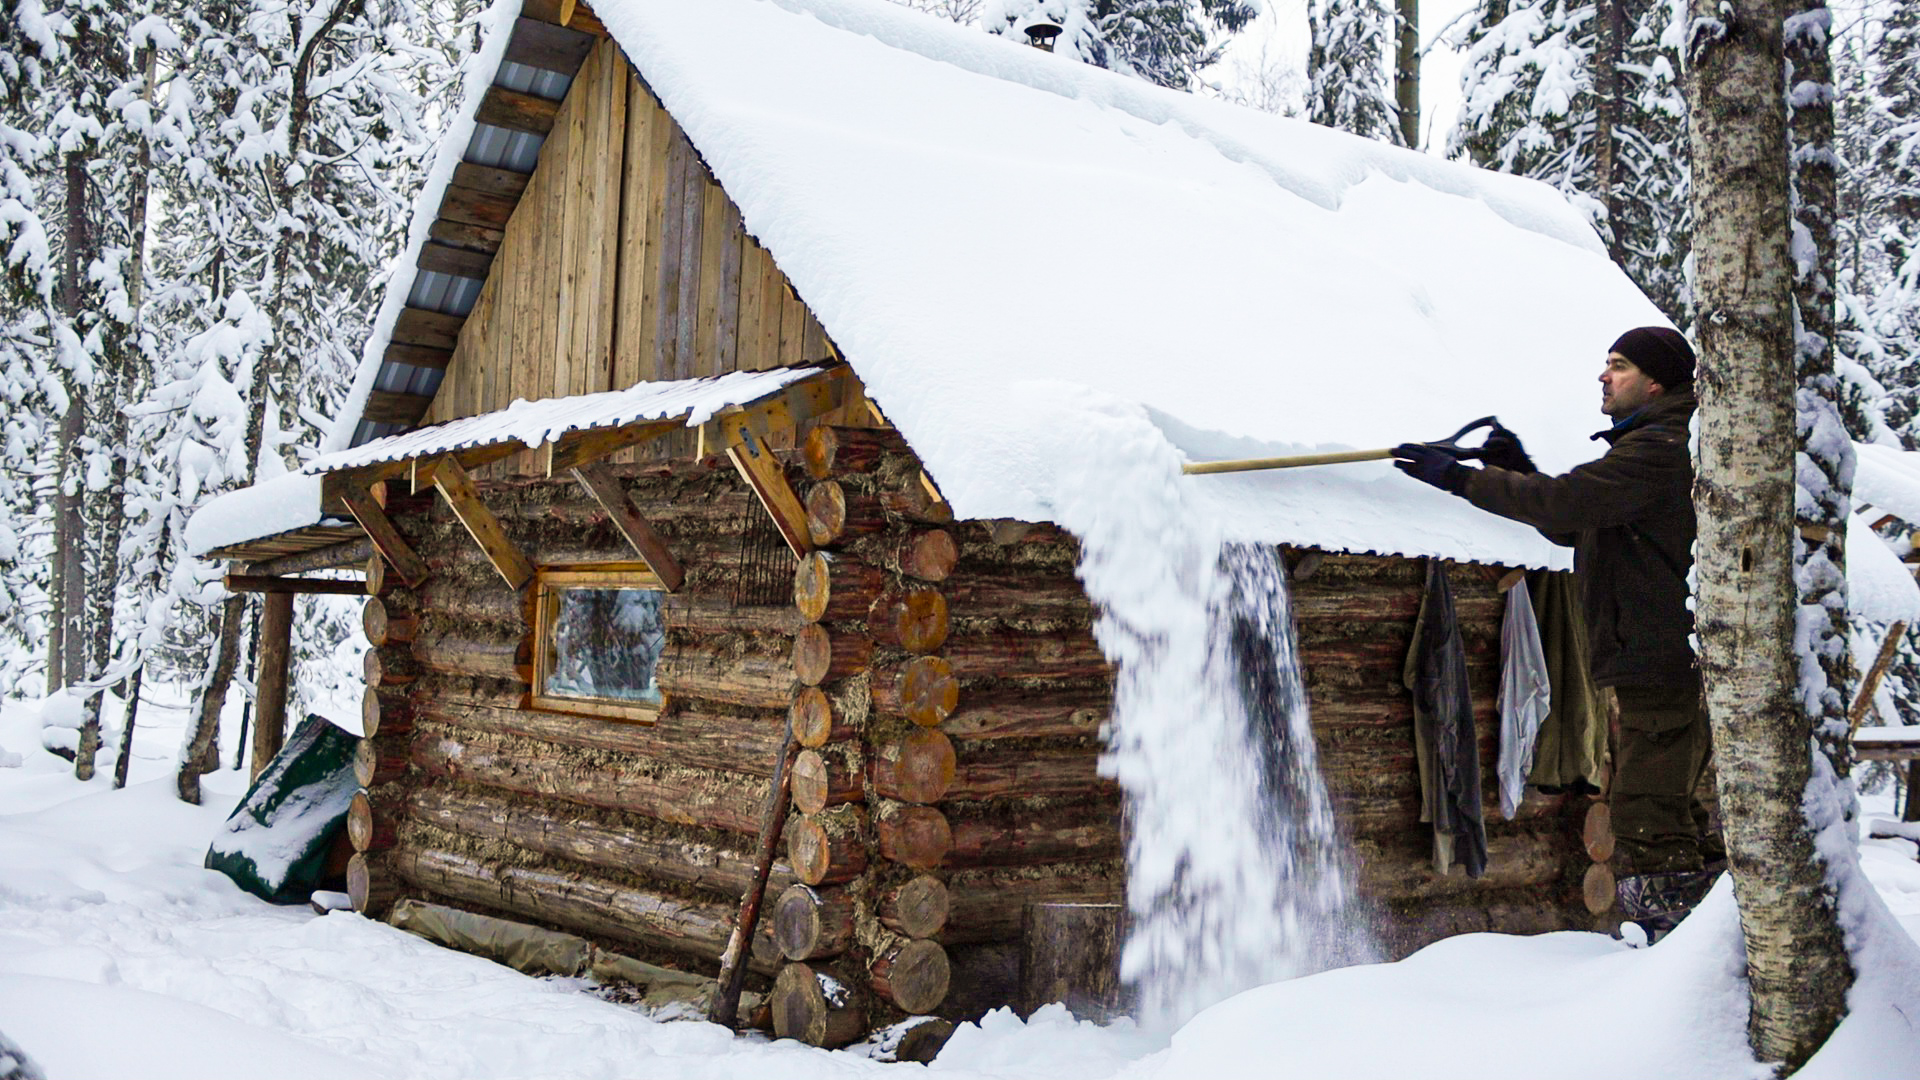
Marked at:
<point>1444,738</point>
<point>1571,753</point>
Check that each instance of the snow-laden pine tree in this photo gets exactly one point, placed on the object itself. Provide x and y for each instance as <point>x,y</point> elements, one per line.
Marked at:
<point>30,389</point>
<point>1533,78</point>
<point>1166,42</point>
<point>1350,68</point>
<point>307,138</point>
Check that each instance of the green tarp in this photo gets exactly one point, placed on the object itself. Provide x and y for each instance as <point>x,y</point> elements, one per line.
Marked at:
<point>276,842</point>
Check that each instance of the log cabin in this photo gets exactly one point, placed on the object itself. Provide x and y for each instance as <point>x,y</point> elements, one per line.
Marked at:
<point>708,474</point>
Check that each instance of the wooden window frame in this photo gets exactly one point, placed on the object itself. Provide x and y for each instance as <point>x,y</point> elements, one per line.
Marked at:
<point>548,581</point>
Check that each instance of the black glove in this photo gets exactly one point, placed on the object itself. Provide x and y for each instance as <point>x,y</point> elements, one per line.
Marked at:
<point>1503,451</point>
<point>1431,465</point>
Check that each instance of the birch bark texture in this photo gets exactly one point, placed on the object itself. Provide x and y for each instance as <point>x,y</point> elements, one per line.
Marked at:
<point>1747,597</point>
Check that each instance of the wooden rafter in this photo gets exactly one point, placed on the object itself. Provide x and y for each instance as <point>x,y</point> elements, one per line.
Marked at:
<point>627,518</point>
<point>446,476</point>
<point>386,539</point>
<point>764,473</point>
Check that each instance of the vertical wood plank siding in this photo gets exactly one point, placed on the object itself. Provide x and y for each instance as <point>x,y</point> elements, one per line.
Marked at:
<point>624,261</point>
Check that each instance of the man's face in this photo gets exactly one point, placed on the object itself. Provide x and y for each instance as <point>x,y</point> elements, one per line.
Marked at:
<point>1624,388</point>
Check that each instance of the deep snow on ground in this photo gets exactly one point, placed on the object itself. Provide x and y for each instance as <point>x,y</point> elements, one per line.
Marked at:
<point>120,957</point>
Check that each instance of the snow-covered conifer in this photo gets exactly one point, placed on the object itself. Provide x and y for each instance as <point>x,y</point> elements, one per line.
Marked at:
<point>1162,41</point>
<point>1351,68</point>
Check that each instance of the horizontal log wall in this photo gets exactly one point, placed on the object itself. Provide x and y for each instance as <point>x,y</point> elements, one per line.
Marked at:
<point>1355,616</point>
<point>947,774</point>
<point>639,834</point>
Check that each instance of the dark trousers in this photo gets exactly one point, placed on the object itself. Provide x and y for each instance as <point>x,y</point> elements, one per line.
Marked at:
<point>1659,823</point>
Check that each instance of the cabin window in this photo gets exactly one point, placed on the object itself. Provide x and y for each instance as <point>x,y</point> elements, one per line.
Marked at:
<point>598,639</point>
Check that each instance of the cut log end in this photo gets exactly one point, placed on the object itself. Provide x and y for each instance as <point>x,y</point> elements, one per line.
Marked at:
<point>923,690</point>
<point>929,556</point>
<point>1597,833</point>
<point>916,836</point>
<point>819,783</point>
<point>827,848</point>
<point>371,886</point>
<point>913,619</point>
<point>820,655</point>
<point>1597,888</point>
<point>914,976</point>
<point>811,717</point>
<point>815,1008</point>
<point>917,909</point>
<point>917,769</point>
<point>809,923</point>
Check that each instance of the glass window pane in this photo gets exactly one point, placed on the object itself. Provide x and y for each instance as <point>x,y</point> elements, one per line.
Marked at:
<point>605,644</point>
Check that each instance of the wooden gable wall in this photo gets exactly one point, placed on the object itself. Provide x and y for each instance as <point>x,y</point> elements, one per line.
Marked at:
<point>624,262</point>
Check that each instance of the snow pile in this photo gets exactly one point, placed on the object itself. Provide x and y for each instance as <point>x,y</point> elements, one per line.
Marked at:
<point>1887,478</point>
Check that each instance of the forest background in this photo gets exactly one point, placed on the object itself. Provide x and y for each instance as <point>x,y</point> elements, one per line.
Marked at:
<point>199,203</point>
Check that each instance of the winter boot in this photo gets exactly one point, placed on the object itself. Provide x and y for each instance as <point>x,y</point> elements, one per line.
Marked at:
<point>1657,902</point>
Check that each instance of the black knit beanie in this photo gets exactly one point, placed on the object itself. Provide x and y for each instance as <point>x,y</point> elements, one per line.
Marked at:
<point>1660,352</point>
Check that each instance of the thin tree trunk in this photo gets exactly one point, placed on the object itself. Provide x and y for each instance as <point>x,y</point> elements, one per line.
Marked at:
<point>1406,69</point>
<point>69,639</point>
<point>1609,40</point>
<point>125,756</point>
<point>200,754</point>
<point>1797,967</point>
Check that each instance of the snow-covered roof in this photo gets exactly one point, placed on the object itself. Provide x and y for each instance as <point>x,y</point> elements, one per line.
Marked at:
<point>293,501</point>
<point>1028,260</point>
<point>1888,479</point>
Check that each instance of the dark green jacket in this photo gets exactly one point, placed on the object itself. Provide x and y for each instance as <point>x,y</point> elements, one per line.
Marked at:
<point>1629,519</point>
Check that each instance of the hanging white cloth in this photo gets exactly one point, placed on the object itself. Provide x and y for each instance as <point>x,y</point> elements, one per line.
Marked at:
<point>1525,696</point>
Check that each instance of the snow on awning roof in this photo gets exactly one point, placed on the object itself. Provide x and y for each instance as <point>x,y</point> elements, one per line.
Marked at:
<point>534,423</point>
<point>294,501</point>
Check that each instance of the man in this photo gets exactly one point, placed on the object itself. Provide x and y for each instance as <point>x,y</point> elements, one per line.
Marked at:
<point>1629,518</point>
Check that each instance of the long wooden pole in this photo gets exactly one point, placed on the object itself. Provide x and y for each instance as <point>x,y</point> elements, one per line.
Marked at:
<point>1201,468</point>
<point>1863,704</point>
<point>733,967</point>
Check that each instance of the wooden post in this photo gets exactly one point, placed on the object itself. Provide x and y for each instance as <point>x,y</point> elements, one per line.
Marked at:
<point>276,647</point>
<point>1071,953</point>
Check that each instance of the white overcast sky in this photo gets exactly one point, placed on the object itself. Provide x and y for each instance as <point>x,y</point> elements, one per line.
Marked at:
<point>1282,32</point>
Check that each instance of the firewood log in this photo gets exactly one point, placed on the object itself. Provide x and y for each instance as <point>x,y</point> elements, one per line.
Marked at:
<point>916,836</point>
<point>829,847</point>
<point>1597,832</point>
<point>809,922</point>
<point>823,655</point>
<point>835,589</point>
<point>912,619</point>
<point>922,689</point>
<point>917,909</point>
<point>918,768</point>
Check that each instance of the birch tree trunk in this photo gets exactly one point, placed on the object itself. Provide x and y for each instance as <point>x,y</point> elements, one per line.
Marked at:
<point>1610,30</point>
<point>1797,967</point>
